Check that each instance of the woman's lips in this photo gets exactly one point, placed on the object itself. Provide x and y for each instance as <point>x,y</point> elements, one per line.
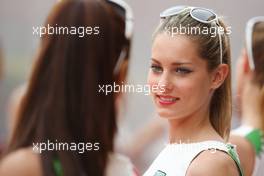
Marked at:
<point>167,100</point>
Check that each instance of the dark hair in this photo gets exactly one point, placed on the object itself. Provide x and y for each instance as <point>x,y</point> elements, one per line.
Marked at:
<point>62,101</point>
<point>258,53</point>
<point>1,75</point>
<point>258,47</point>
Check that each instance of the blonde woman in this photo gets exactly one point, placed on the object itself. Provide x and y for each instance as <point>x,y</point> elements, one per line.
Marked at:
<point>193,69</point>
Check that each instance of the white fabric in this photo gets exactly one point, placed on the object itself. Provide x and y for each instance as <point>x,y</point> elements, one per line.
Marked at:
<point>175,159</point>
<point>242,130</point>
<point>119,165</point>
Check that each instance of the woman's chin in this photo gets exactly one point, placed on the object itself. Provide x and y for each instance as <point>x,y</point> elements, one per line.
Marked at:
<point>166,114</point>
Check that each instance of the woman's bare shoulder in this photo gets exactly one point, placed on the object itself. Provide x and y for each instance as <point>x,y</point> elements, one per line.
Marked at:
<point>215,163</point>
<point>23,162</point>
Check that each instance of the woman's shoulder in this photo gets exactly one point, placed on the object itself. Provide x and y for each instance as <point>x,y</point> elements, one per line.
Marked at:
<point>23,162</point>
<point>215,163</point>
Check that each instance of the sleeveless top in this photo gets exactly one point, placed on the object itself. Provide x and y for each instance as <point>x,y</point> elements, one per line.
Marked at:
<point>175,159</point>
<point>118,165</point>
<point>259,159</point>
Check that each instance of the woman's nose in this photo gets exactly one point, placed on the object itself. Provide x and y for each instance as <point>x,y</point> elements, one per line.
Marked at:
<point>165,83</point>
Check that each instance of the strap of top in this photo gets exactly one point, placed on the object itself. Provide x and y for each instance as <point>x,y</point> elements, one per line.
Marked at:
<point>57,167</point>
<point>233,154</point>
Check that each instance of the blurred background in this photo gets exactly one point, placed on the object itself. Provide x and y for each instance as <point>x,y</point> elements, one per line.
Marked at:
<point>19,47</point>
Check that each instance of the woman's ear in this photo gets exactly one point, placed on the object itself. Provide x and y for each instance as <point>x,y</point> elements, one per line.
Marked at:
<point>219,75</point>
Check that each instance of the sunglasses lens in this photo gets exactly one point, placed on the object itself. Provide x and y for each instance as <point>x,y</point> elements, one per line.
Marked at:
<point>203,14</point>
<point>172,11</point>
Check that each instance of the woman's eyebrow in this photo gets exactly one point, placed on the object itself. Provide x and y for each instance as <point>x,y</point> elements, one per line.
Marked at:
<point>174,63</point>
<point>154,60</point>
<point>181,63</point>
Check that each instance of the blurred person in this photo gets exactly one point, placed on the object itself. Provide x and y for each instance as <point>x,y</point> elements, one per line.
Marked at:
<point>62,102</point>
<point>143,144</point>
<point>13,106</point>
<point>1,75</point>
<point>1,60</point>
<point>250,100</point>
<point>192,71</point>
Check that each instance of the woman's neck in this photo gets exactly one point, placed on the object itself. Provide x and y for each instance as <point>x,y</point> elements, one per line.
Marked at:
<point>251,109</point>
<point>194,128</point>
<point>252,119</point>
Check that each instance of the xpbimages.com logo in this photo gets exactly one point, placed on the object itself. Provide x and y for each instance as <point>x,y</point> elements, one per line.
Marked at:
<point>213,31</point>
<point>81,31</point>
<point>130,88</point>
<point>79,147</point>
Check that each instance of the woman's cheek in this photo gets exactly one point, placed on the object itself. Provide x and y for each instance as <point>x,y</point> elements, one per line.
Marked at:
<point>152,82</point>
<point>183,84</point>
<point>185,88</point>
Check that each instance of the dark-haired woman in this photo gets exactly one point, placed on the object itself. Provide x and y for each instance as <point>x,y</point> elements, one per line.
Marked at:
<point>63,104</point>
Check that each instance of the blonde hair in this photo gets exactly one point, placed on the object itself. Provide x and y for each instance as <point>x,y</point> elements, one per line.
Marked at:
<point>208,49</point>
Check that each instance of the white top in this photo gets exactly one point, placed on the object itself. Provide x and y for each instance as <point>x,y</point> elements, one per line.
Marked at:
<point>259,160</point>
<point>119,165</point>
<point>175,159</point>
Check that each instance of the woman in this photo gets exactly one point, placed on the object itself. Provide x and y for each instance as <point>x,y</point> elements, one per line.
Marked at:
<point>193,68</point>
<point>1,75</point>
<point>250,100</point>
<point>63,104</point>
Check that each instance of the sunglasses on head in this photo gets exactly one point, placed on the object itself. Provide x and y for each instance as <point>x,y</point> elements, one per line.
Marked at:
<point>125,11</point>
<point>200,14</point>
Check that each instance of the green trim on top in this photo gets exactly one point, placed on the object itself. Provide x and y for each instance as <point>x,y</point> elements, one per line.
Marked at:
<point>233,154</point>
<point>160,173</point>
<point>255,138</point>
<point>57,167</point>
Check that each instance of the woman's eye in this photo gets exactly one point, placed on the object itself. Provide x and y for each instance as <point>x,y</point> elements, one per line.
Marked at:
<point>182,70</point>
<point>156,69</point>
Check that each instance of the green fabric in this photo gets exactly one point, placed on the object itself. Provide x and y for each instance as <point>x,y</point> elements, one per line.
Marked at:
<point>233,154</point>
<point>255,138</point>
<point>160,173</point>
<point>57,167</point>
